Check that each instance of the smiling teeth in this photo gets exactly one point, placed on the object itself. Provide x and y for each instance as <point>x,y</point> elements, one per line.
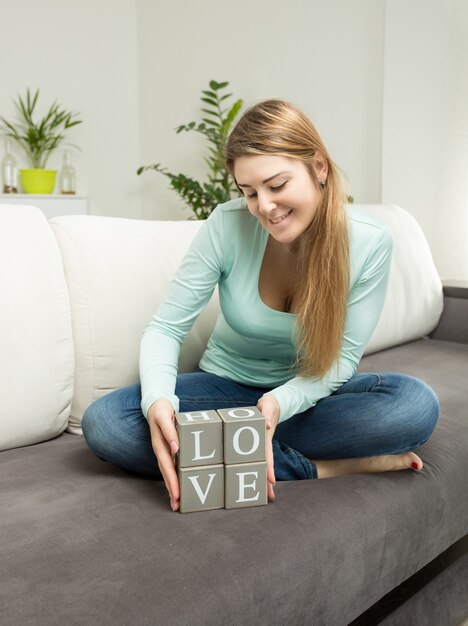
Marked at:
<point>280,219</point>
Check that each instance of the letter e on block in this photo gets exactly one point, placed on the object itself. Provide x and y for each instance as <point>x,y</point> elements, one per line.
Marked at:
<point>244,435</point>
<point>200,438</point>
<point>245,485</point>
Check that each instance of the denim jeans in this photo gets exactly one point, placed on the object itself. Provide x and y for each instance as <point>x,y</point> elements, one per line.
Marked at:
<point>371,414</point>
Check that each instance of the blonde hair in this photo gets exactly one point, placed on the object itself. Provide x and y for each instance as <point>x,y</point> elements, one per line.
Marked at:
<point>280,128</point>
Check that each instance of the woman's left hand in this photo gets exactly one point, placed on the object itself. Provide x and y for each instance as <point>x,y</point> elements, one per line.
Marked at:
<point>269,407</point>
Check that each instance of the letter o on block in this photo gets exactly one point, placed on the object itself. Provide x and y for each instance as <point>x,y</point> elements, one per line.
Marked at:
<point>255,440</point>
<point>244,435</point>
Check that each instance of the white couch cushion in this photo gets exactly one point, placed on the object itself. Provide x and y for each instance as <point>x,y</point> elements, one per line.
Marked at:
<point>36,364</point>
<point>118,270</point>
<point>414,299</point>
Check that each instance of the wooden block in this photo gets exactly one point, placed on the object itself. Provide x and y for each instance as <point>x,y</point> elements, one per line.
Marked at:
<point>201,488</point>
<point>245,485</point>
<point>200,438</point>
<point>244,435</point>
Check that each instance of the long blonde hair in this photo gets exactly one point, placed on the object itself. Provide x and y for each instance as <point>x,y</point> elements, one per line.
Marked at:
<point>280,128</point>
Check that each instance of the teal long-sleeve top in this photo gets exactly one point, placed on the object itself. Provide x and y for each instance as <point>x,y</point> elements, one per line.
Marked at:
<point>251,342</point>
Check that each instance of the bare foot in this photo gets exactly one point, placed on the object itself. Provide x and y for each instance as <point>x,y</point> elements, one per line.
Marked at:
<point>369,465</point>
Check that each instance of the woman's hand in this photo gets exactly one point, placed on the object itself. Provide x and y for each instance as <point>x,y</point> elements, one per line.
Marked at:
<point>269,407</point>
<point>165,445</point>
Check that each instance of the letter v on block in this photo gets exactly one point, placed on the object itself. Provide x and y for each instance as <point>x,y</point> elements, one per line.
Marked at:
<point>201,488</point>
<point>198,489</point>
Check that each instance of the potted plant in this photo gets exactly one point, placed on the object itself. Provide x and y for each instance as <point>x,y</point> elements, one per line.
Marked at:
<point>203,197</point>
<point>38,139</point>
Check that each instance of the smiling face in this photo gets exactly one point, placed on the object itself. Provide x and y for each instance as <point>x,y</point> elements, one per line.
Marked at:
<point>280,192</point>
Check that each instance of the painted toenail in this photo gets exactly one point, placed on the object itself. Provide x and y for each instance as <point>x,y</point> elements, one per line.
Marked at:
<point>415,465</point>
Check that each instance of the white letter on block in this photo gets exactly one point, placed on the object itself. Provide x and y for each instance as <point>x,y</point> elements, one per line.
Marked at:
<point>255,444</point>
<point>243,487</point>
<point>196,486</point>
<point>198,456</point>
<point>244,413</point>
<point>196,416</point>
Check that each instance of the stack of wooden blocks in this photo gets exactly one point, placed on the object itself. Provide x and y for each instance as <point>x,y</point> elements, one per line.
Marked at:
<point>221,459</point>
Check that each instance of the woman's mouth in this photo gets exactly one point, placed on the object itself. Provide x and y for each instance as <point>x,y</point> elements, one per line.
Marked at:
<point>280,218</point>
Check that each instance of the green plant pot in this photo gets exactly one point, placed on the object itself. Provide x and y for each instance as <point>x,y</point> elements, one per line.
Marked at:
<point>38,181</point>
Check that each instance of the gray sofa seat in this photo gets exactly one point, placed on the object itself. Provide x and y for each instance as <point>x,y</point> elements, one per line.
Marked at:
<point>90,544</point>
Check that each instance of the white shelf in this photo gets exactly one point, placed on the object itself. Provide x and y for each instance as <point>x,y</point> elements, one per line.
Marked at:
<point>51,205</point>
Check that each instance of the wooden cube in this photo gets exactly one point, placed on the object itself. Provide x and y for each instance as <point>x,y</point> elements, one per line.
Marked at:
<point>244,435</point>
<point>200,438</point>
<point>201,488</point>
<point>245,485</point>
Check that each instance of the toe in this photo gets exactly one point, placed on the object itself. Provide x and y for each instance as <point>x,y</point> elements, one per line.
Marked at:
<point>415,461</point>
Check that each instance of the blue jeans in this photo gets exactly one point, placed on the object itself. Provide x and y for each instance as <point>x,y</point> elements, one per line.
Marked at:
<point>371,414</point>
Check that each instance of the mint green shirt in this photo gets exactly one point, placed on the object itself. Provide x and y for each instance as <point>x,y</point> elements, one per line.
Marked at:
<point>251,342</point>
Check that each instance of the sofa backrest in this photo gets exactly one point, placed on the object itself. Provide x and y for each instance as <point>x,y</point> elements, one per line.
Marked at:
<point>414,300</point>
<point>36,343</point>
<point>74,306</point>
<point>118,270</point>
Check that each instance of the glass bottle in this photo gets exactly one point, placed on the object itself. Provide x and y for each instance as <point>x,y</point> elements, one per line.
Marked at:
<point>9,170</point>
<point>67,175</point>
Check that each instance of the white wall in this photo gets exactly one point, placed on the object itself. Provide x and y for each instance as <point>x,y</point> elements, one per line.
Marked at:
<point>425,123</point>
<point>324,56</point>
<point>85,55</point>
<point>415,106</point>
<point>451,215</point>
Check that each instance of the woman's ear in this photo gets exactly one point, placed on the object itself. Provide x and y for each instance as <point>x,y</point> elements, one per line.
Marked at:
<point>320,165</point>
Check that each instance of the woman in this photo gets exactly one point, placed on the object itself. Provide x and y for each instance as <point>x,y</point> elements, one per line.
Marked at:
<point>302,281</point>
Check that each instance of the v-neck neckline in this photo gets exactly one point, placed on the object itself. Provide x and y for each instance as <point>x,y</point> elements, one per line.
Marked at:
<point>266,237</point>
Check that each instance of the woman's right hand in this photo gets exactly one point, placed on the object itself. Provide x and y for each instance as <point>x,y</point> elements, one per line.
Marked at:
<point>165,445</point>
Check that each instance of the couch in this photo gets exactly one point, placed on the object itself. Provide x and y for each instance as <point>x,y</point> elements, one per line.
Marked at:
<point>85,543</point>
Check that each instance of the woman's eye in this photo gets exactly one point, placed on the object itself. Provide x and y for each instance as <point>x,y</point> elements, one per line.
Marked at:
<point>278,187</point>
<point>251,195</point>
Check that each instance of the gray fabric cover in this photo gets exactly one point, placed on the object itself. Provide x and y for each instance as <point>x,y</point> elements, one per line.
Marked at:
<point>452,325</point>
<point>444,599</point>
<point>84,543</point>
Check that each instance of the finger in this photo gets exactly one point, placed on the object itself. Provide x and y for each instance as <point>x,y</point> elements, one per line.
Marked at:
<point>172,486</point>
<point>166,465</point>
<point>271,480</point>
<point>169,431</point>
<point>271,493</point>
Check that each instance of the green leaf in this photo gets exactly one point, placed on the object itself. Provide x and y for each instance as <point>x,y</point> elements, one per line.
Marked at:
<point>209,101</point>
<point>210,112</point>
<point>234,110</point>
<point>214,85</point>
<point>211,122</point>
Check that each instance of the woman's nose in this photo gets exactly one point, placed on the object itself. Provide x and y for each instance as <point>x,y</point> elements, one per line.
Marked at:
<point>265,203</point>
